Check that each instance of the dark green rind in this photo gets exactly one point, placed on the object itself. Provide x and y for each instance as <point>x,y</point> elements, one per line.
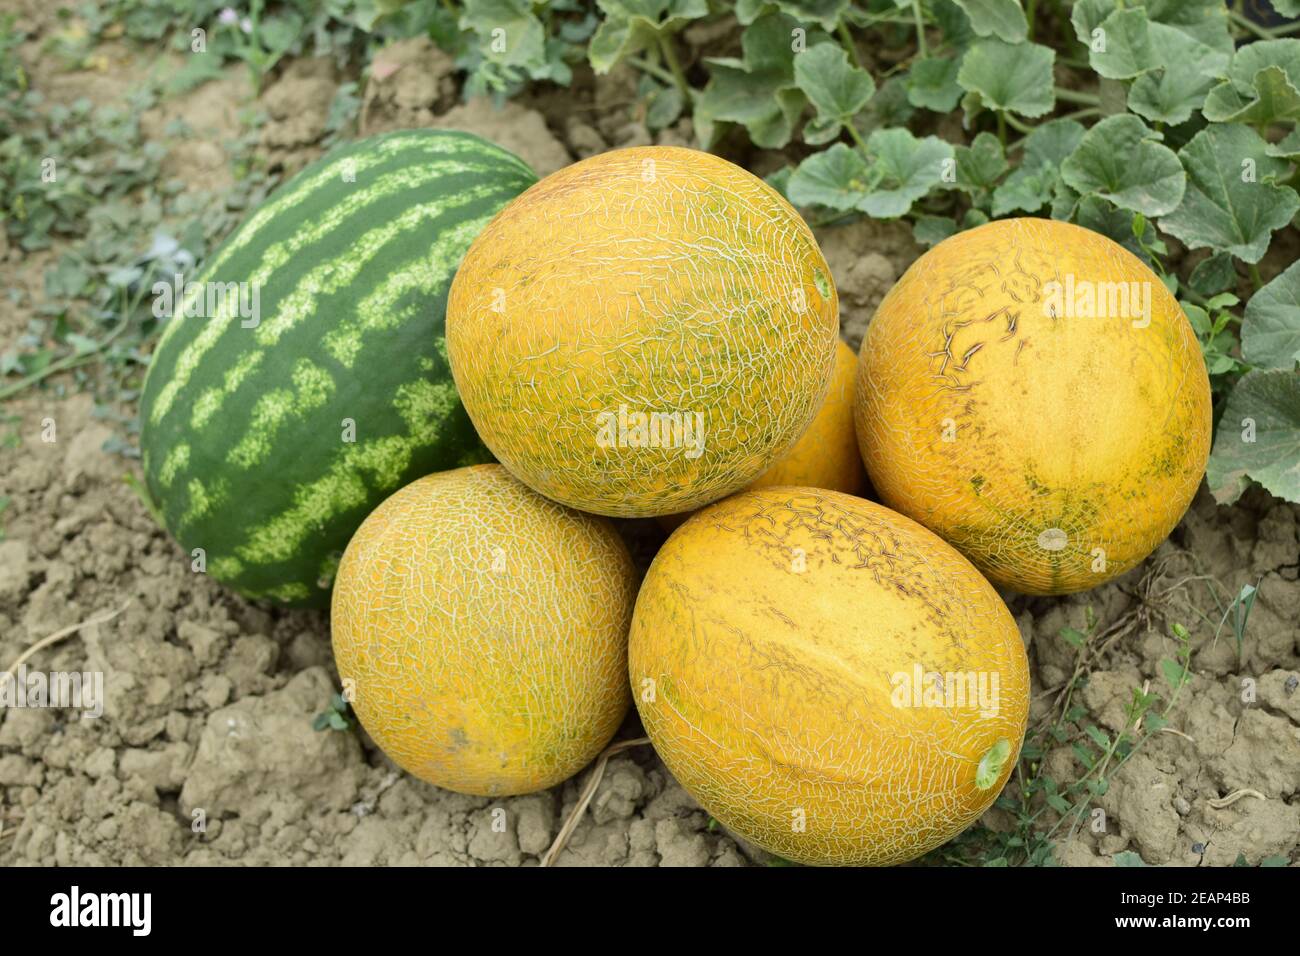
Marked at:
<point>303,450</point>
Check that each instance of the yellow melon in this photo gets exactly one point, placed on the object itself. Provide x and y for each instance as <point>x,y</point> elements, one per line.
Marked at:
<point>643,332</point>
<point>827,677</point>
<point>1031,392</point>
<point>827,454</point>
<point>482,631</point>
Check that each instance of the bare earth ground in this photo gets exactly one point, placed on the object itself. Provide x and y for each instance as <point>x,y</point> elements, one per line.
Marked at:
<point>210,700</point>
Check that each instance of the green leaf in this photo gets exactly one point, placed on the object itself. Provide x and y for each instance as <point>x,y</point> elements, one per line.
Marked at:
<point>631,26</point>
<point>980,165</point>
<point>1097,737</point>
<point>1288,147</point>
<point>1095,213</point>
<point>1259,437</point>
<point>889,107</point>
<point>1032,184</point>
<point>1072,637</point>
<point>1270,331</point>
<point>1229,204</point>
<point>906,167</point>
<point>932,84</point>
<point>837,178</point>
<point>1002,18</point>
<point>898,170</point>
<point>1128,858</point>
<point>1087,16</point>
<point>1016,78</point>
<point>1120,160</point>
<point>932,230</point>
<point>1263,85</point>
<point>1213,275</point>
<point>1205,21</point>
<point>1173,672</point>
<point>508,32</point>
<point>836,88</point>
<point>1125,46</point>
<point>663,106</point>
<point>825,13</point>
<point>1188,70</point>
<point>757,90</point>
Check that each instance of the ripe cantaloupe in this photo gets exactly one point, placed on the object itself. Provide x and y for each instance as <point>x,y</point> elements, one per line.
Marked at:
<point>808,665</point>
<point>1032,393</point>
<point>827,454</point>
<point>484,630</point>
<point>643,332</point>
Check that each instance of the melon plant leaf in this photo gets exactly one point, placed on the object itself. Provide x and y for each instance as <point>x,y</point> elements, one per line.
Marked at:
<point>1288,147</point>
<point>1187,72</point>
<point>663,105</point>
<point>1263,85</point>
<point>1213,275</point>
<point>1287,8</point>
<point>824,13</point>
<point>836,88</point>
<point>1032,184</point>
<point>1205,21</point>
<point>932,84</point>
<point>1119,160</point>
<point>1095,213</point>
<point>837,178</point>
<point>953,23</point>
<point>932,230</point>
<point>1270,331</point>
<point>1230,205</point>
<point>1087,17</point>
<point>757,90</point>
<point>630,26</point>
<point>1016,78</point>
<point>1122,49</point>
<point>521,35</point>
<point>889,107</point>
<point>980,165</point>
<point>905,169</point>
<point>1001,18</point>
<point>1259,437</point>
<point>1128,858</point>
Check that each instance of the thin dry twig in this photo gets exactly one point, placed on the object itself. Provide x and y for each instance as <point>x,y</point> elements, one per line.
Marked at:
<point>54,638</point>
<point>588,792</point>
<point>1233,797</point>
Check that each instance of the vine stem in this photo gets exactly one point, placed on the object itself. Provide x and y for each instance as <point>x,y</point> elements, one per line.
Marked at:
<point>847,39</point>
<point>920,29</point>
<point>670,57</point>
<point>1083,99</point>
<point>654,69</point>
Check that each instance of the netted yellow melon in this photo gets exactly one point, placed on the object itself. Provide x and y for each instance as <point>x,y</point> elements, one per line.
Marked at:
<point>827,677</point>
<point>482,632</point>
<point>1032,393</point>
<point>643,332</point>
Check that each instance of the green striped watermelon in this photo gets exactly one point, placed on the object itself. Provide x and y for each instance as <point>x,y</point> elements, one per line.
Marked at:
<point>269,434</point>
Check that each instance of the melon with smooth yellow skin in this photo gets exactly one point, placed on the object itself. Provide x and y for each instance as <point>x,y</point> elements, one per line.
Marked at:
<point>483,629</point>
<point>827,454</point>
<point>1032,393</point>
<point>826,677</point>
<point>643,332</point>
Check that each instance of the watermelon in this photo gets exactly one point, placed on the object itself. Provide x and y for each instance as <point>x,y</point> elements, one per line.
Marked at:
<point>304,374</point>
